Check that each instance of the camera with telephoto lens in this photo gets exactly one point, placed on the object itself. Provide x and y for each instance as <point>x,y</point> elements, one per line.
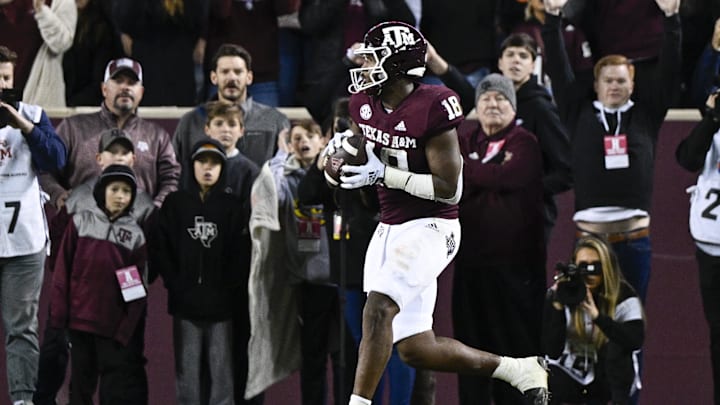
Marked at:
<point>7,96</point>
<point>571,289</point>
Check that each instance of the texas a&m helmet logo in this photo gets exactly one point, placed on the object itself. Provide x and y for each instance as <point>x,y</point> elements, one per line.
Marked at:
<point>399,37</point>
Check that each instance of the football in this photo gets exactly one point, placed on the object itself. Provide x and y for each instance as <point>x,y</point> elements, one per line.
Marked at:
<point>351,151</point>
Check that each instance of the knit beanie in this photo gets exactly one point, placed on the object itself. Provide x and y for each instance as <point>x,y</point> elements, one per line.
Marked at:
<point>499,83</point>
<point>114,173</point>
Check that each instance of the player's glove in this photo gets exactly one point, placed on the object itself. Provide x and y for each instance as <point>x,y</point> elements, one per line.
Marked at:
<point>368,174</point>
<point>335,142</point>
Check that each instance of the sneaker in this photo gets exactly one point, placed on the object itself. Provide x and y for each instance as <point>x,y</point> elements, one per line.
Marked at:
<point>534,384</point>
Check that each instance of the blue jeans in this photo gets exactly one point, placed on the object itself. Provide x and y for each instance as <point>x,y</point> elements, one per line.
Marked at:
<point>266,93</point>
<point>20,283</point>
<point>635,257</point>
<point>291,63</point>
<point>402,376</point>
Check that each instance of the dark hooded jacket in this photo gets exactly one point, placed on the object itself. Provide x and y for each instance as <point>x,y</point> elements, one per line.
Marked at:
<point>202,249</point>
<point>538,114</point>
<point>85,294</point>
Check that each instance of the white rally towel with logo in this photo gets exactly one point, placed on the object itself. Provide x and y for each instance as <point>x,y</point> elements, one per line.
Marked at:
<point>705,198</point>
<point>22,219</point>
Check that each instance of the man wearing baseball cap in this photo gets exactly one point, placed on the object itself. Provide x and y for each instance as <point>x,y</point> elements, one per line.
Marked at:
<point>501,214</point>
<point>117,66</point>
<point>156,167</point>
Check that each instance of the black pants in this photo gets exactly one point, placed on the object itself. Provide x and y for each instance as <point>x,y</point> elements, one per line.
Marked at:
<point>319,312</point>
<point>709,271</point>
<point>54,353</point>
<point>497,308</point>
<point>120,369</point>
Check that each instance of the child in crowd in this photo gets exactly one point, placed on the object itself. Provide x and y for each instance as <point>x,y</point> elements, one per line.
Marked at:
<point>225,125</point>
<point>98,294</point>
<point>115,147</point>
<point>202,252</point>
<point>305,256</point>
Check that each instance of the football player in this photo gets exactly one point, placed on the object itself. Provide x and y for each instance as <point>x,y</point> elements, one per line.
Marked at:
<point>413,154</point>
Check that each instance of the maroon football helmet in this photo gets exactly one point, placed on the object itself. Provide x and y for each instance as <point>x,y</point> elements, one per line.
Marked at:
<point>391,49</point>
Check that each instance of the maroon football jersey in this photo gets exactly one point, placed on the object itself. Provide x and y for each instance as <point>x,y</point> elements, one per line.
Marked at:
<point>400,138</point>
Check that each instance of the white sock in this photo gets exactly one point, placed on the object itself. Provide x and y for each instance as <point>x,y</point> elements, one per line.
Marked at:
<point>358,400</point>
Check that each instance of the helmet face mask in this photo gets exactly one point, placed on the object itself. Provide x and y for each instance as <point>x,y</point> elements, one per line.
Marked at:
<point>391,50</point>
<point>364,78</point>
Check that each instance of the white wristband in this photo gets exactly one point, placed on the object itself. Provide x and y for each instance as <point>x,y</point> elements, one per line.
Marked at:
<point>419,185</point>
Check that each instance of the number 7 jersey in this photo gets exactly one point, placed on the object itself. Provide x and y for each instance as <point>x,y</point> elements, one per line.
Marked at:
<point>22,219</point>
<point>400,137</point>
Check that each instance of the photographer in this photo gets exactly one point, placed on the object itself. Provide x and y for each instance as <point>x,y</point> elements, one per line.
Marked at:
<point>699,152</point>
<point>28,143</point>
<point>593,325</point>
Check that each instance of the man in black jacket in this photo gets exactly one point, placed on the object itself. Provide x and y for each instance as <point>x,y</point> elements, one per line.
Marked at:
<point>613,139</point>
<point>535,112</point>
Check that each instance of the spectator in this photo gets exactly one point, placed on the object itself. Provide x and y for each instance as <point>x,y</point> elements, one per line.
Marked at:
<point>632,28</point>
<point>308,263</point>
<point>501,215</point>
<point>593,324</point>
<point>613,140</point>
<point>225,125</point>
<point>576,45</point>
<point>700,152</point>
<point>94,44</point>
<point>251,24</point>
<point>40,34</point>
<point>46,83</point>
<point>115,148</point>
<point>419,233</point>
<point>203,254</point>
<point>156,169</point>
<point>232,73</point>
<point>706,78</point>
<point>98,293</point>
<point>536,112</point>
<point>29,144</point>
<point>162,33</point>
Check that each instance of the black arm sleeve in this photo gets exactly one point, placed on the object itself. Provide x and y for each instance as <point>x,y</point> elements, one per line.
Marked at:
<point>690,153</point>
<point>629,335</point>
<point>455,81</point>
